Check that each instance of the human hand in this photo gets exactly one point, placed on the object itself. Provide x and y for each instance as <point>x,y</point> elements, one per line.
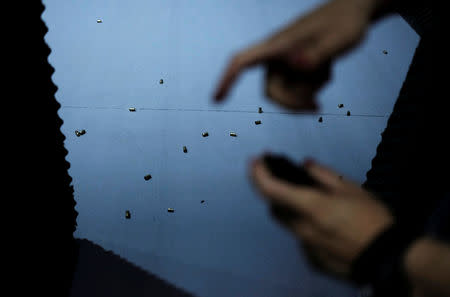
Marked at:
<point>336,222</point>
<point>298,58</point>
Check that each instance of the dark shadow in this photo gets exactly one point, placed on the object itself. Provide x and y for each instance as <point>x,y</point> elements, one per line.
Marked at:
<point>103,273</point>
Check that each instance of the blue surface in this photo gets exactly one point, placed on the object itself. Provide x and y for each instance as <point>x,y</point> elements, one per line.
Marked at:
<point>228,246</point>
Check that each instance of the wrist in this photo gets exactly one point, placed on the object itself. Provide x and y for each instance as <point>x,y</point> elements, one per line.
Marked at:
<point>382,263</point>
<point>414,257</point>
<point>421,258</point>
<point>411,263</point>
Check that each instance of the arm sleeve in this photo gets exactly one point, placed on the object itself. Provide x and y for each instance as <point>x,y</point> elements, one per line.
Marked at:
<point>438,225</point>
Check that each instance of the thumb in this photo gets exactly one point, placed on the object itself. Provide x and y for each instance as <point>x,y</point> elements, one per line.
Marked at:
<point>325,176</point>
<point>302,199</point>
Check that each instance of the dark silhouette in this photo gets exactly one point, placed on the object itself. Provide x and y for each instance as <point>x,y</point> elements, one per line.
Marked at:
<point>103,273</point>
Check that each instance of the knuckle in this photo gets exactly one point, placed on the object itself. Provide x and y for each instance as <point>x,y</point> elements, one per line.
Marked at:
<point>314,60</point>
<point>325,220</point>
<point>236,59</point>
<point>327,224</point>
<point>305,232</point>
<point>319,213</point>
<point>267,189</point>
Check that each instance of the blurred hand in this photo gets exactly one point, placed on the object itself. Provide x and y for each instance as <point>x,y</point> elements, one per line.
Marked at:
<point>335,223</point>
<point>298,58</point>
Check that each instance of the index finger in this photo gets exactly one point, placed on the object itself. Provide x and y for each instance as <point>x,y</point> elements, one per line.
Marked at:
<point>254,55</point>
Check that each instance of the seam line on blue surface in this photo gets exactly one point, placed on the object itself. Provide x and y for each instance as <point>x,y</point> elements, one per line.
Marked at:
<point>237,111</point>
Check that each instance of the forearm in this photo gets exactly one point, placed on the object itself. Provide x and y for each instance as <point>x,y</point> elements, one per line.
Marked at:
<point>427,265</point>
<point>378,8</point>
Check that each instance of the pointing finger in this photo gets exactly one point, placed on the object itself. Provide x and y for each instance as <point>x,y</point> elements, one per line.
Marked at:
<point>247,58</point>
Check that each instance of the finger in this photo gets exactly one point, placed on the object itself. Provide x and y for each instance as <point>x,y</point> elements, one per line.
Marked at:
<point>276,46</point>
<point>298,97</point>
<point>288,88</point>
<point>313,57</point>
<point>314,79</point>
<point>313,235</point>
<point>247,58</point>
<point>324,175</point>
<point>283,214</point>
<point>307,201</point>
